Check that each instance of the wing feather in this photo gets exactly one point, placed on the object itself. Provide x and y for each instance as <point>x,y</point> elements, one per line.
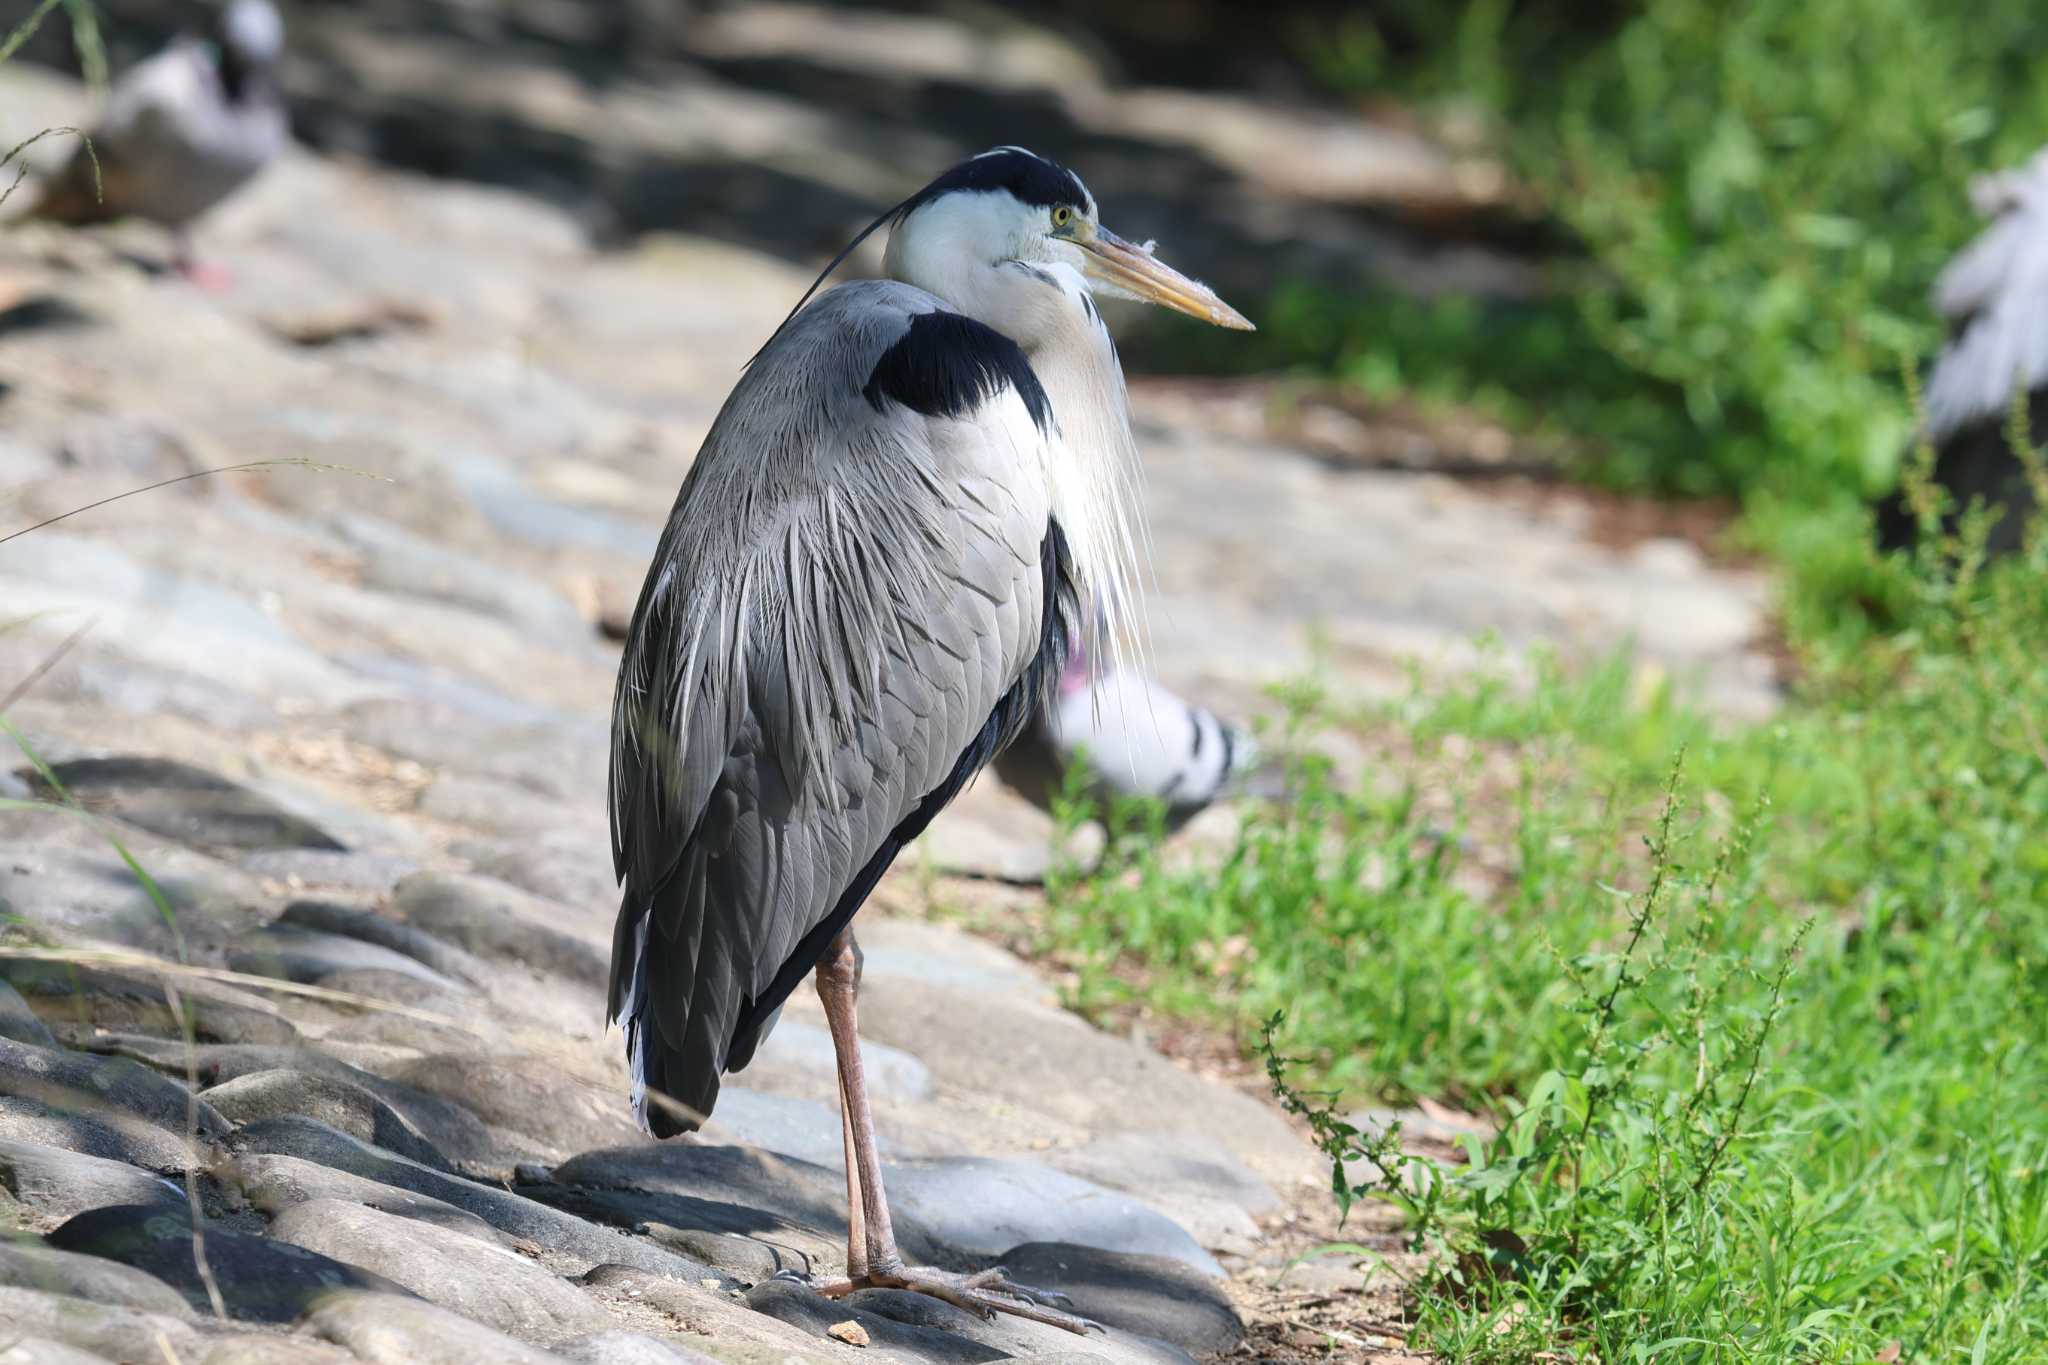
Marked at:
<point>849,595</point>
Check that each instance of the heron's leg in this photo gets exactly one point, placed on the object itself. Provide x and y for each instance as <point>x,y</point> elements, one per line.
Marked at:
<point>206,275</point>
<point>856,1221</point>
<point>872,1259</point>
<point>870,1241</point>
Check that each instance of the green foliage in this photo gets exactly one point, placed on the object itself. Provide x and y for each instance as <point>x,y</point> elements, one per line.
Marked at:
<point>1765,190</point>
<point>1761,1034</point>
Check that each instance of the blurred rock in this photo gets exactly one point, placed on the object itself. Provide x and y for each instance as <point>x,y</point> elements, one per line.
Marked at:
<point>628,1348</point>
<point>501,923</point>
<point>482,1281</point>
<point>188,804</point>
<point>576,1242</point>
<point>386,1330</point>
<point>272,1184</point>
<point>259,1279</point>
<point>56,1183</point>
<point>28,1265</point>
<point>1153,1296</point>
<point>98,1331</point>
<point>329,1099</point>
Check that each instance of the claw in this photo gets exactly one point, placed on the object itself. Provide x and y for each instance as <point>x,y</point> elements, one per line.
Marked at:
<point>984,1293</point>
<point>997,1278</point>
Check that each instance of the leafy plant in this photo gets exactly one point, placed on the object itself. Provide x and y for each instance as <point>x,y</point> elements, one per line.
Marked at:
<point>1760,1037</point>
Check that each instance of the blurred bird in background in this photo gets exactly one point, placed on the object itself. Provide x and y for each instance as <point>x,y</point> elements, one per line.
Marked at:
<point>865,592</point>
<point>1994,295</point>
<point>1138,741</point>
<point>181,132</point>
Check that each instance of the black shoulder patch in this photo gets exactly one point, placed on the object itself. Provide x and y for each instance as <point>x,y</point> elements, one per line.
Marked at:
<point>1033,179</point>
<point>947,365</point>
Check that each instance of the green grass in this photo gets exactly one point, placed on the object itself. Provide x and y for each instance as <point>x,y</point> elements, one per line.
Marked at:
<point>1759,1008</point>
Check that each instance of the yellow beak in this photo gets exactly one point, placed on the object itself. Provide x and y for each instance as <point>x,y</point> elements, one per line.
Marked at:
<point>1130,269</point>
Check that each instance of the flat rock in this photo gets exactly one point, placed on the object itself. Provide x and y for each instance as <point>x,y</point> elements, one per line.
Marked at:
<point>1012,1335</point>
<point>502,923</point>
<point>730,1327</point>
<point>946,956</point>
<point>272,1184</point>
<point>571,1240</point>
<point>628,1348</point>
<point>504,808</point>
<point>43,1351</point>
<point>457,1134</point>
<point>525,1095</point>
<point>62,876</point>
<point>567,867</point>
<point>386,1330</point>
<point>748,1243</point>
<point>19,1023</point>
<point>187,804</point>
<point>788,1125</point>
<point>482,1281</point>
<point>1156,1160</point>
<point>798,1058</point>
<point>329,918</point>
<point>99,1329</point>
<point>330,1099</point>
<point>269,1348</point>
<point>1040,1059</point>
<point>803,1307</point>
<point>978,1206</point>
<point>289,953</point>
<point>490,735</point>
<point>80,1004</point>
<point>778,1192</point>
<point>260,1279</point>
<point>79,1081</point>
<point>30,1265</point>
<point>1187,1175</point>
<point>56,1182</point>
<point>115,1138</point>
<point>328,870</point>
<point>398,561</point>
<point>1151,1296</point>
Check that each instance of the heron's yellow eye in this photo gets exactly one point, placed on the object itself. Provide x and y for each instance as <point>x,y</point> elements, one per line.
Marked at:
<point>1061,216</point>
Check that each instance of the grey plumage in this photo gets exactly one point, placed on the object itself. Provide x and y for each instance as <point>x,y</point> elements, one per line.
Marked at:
<point>182,130</point>
<point>1138,740</point>
<point>1994,296</point>
<point>789,698</point>
<point>865,589</point>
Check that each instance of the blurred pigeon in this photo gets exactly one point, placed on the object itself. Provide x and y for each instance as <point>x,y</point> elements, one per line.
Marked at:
<point>182,131</point>
<point>1994,295</point>
<point>1139,740</point>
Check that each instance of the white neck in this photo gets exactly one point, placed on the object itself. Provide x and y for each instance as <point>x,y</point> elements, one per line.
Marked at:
<point>1044,305</point>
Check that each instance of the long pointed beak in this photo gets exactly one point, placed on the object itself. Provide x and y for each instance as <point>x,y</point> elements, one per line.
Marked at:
<point>1133,270</point>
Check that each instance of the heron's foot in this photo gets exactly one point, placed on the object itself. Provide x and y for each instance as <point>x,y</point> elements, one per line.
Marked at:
<point>986,1292</point>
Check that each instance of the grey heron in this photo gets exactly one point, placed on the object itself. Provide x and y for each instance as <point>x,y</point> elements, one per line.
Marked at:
<point>1994,296</point>
<point>181,131</point>
<point>862,594</point>
<point>1139,740</point>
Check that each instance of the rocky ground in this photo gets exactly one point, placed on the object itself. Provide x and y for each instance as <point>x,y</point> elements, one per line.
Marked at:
<point>349,717</point>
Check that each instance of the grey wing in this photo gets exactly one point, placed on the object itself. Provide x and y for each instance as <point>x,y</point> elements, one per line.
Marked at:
<point>169,147</point>
<point>1995,296</point>
<point>1139,740</point>
<point>845,617</point>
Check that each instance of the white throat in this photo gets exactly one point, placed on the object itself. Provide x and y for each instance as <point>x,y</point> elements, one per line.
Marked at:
<point>978,254</point>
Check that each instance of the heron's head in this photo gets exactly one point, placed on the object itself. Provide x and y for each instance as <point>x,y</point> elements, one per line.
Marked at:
<point>1011,207</point>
